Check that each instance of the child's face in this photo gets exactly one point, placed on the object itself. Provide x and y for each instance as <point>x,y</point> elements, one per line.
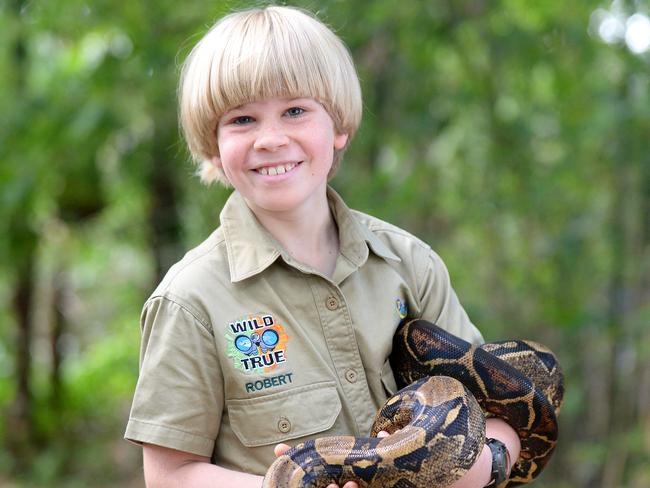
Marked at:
<point>278,152</point>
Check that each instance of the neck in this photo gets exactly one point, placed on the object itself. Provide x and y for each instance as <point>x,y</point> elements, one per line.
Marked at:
<point>308,234</point>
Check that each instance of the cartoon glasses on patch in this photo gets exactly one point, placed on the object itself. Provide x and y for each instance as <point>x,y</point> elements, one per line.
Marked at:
<point>253,344</point>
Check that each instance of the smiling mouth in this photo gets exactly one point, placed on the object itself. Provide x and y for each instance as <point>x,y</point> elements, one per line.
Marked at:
<point>276,170</point>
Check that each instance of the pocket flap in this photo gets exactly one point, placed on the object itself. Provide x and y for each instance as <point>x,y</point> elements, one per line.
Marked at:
<point>285,415</point>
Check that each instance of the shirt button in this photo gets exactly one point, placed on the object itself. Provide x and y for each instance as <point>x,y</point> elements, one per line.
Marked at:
<point>284,425</point>
<point>332,303</point>
<point>351,375</point>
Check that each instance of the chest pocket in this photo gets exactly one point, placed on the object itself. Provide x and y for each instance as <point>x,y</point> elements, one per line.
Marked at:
<point>285,415</point>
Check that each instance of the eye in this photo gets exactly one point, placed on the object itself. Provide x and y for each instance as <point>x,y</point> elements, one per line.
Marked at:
<point>242,120</point>
<point>295,111</point>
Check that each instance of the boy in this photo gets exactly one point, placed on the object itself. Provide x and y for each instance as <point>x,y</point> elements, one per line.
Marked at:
<point>278,327</point>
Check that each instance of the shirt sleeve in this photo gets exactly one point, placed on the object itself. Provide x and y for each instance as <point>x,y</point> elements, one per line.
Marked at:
<point>178,401</point>
<point>438,300</point>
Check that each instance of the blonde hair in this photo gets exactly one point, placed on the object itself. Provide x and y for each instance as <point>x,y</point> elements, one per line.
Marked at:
<point>258,54</point>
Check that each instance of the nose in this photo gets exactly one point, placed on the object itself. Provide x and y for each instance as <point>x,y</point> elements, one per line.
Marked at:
<point>270,138</point>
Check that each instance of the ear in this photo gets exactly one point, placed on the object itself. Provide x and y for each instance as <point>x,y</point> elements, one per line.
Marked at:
<point>340,140</point>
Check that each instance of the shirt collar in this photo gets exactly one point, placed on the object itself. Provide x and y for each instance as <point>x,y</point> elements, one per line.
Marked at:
<point>251,248</point>
<point>354,237</point>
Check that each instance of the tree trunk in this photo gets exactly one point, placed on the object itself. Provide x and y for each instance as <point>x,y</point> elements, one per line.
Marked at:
<point>57,329</point>
<point>20,427</point>
<point>22,249</point>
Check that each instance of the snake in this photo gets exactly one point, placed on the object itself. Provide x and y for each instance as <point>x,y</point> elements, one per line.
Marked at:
<point>436,421</point>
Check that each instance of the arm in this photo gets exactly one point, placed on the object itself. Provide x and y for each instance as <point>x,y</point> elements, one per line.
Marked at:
<point>479,474</point>
<point>169,468</point>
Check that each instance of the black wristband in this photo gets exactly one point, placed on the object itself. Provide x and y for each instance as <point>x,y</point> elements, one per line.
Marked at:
<point>499,462</point>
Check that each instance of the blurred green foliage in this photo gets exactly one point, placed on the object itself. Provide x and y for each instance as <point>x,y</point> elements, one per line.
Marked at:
<point>505,133</point>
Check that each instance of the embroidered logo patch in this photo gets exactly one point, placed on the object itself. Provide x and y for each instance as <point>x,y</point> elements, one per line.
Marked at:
<point>402,309</point>
<point>257,343</point>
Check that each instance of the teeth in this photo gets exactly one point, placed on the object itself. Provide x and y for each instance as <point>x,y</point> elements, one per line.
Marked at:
<point>276,170</point>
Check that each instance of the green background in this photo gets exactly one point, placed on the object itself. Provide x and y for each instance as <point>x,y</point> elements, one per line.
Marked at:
<point>507,134</point>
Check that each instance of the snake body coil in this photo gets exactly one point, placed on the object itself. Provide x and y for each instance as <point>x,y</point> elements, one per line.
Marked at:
<point>448,385</point>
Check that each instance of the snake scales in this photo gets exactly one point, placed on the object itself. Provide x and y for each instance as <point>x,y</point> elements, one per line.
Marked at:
<point>440,416</point>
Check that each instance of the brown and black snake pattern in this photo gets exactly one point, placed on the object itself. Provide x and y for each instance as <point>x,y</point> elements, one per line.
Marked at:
<point>437,421</point>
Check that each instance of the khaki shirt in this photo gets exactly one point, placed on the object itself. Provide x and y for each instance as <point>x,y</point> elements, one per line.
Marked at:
<point>243,347</point>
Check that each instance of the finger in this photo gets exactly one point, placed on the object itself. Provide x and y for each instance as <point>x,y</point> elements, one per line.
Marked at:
<point>349,484</point>
<point>280,449</point>
<point>382,433</point>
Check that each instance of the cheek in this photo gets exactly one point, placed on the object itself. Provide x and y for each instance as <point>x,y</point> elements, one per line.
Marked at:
<point>328,148</point>
<point>228,150</point>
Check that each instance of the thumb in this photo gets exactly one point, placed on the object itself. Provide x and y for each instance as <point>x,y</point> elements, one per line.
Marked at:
<point>280,449</point>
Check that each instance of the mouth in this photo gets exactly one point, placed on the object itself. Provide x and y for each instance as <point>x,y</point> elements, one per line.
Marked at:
<point>277,169</point>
